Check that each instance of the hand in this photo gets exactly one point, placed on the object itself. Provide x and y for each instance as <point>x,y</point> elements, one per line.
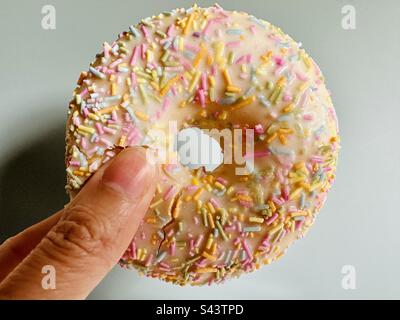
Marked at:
<point>83,241</point>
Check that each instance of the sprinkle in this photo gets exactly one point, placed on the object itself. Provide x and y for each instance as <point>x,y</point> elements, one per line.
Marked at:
<point>243,103</point>
<point>256,219</point>
<point>134,31</point>
<point>160,257</point>
<point>97,73</point>
<point>168,194</point>
<point>142,116</point>
<point>168,85</point>
<point>247,249</point>
<point>86,129</point>
<point>207,270</point>
<point>208,256</point>
<point>227,77</point>
<point>252,229</point>
<point>221,230</point>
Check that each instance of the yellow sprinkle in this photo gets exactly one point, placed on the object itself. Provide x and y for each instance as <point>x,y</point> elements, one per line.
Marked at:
<point>207,270</point>
<point>177,208</point>
<point>195,79</point>
<point>210,207</point>
<point>282,139</point>
<point>113,89</point>
<point>298,214</point>
<point>188,24</point>
<point>227,77</point>
<point>199,56</point>
<point>275,229</point>
<point>272,137</point>
<point>108,110</point>
<point>243,103</point>
<point>198,193</point>
<point>151,220</point>
<point>233,89</point>
<point>230,190</point>
<point>211,80</point>
<point>219,185</point>
<point>221,230</point>
<point>93,116</point>
<point>168,85</point>
<point>295,193</point>
<point>86,129</point>
<point>122,140</point>
<point>288,108</point>
<point>209,241</point>
<point>156,203</point>
<point>256,219</point>
<point>211,220</point>
<point>142,116</point>
<point>315,186</point>
<point>208,256</point>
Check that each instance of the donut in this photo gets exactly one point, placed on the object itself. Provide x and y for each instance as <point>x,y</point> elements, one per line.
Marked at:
<point>207,68</point>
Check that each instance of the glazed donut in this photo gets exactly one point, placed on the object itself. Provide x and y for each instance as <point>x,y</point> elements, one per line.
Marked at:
<point>209,68</point>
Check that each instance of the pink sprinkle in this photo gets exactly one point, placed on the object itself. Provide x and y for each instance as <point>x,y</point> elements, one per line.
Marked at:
<point>168,194</point>
<point>84,143</point>
<point>214,70</point>
<point>192,188</point>
<point>191,244</point>
<point>287,97</point>
<point>165,265</point>
<point>74,163</point>
<point>172,248</point>
<point>202,98</point>
<point>145,32</point>
<point>208,27</point>
<point>196,220</point>
<point>259,129</point>
<point>115,63</point>
<point>106,142</point>
<point>199,240</point>
<point>215,203</point>
<point>241,59</point>
<point>253,29</point>
<point>99,128</point>
<point>279,61</point>
<point>107,49</point>
<point>192,48</point>
<point>109,130</point>
<point>308,117</point>
<point>84,91</point>
<point>316,159</point>
<point>233,44</point>
<point>301,76</point>
<point>149,260</point>
<point>249,58</point>
<point>278,201</point>
<point>165,104</point>
<point>222,180</point>
<point>143,50</point>
<point>204,81</point>
<point>299,224</point>
<point>135,55</point>
<point>170,30</point>
<point>272,219</point>
<point>247,249</point>
<point>133,250</point>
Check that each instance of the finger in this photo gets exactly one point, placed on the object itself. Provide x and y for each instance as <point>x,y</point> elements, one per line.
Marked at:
<point>96,228</point>
<point>16,248</point>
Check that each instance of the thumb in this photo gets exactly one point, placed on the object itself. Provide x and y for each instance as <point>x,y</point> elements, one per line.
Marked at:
<point>93,233</point>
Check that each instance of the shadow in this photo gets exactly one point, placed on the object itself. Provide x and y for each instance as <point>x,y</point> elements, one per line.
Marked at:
<point>32,183</point>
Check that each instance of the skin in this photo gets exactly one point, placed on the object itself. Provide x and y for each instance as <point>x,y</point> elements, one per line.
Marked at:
<point>84,240</point>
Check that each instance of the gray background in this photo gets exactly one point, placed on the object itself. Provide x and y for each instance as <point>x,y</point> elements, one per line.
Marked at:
<point>359,224</point>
